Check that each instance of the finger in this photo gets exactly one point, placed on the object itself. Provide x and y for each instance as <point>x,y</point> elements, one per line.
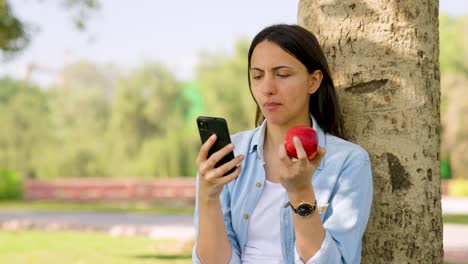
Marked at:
<point>283,155</point>
<point>218,155</point>
<point>229,165</point>
<point>211,176</point>
<point>215,177</point>
<point>204,169</point>
<point>205,148</point>
<point>211,162</point>
<point>230,177</point>
<point>301,153</point>
<point>318,157</point>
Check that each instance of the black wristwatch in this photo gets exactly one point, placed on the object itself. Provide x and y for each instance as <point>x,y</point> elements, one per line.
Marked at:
<point>304,209</point>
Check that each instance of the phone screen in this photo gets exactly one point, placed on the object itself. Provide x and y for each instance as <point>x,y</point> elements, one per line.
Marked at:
<point>208,126</point>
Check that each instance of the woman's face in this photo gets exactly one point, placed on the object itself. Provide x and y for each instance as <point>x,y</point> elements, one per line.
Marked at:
<point>281,85</point>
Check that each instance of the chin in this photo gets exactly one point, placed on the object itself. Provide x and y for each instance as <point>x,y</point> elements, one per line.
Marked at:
<point>275,119</point>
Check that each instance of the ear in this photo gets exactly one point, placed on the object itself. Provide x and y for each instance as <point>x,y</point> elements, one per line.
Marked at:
<point>315,79</point>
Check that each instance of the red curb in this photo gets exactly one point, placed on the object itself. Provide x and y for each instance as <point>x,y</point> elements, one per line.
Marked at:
<point>99,189</point>
<point>456,256</point>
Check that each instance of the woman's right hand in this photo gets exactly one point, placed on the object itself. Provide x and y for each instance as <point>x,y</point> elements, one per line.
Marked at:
<point>211,179</point>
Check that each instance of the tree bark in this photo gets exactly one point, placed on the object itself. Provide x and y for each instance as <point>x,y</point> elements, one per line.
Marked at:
<point>384,59</point>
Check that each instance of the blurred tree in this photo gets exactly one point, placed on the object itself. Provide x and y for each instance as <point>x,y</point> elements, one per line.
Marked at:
<point>453,44</point>
<point>224,87</point>
<point>81,10</point>
<point>194,98</point>
<point>172,154</point>
<point>24,123</point>
<point>454,99</point>
<point>79,114</point>
<point>15,34</point>
<point>95,122</point>
<point>147,129</point>
<point>454,123</point>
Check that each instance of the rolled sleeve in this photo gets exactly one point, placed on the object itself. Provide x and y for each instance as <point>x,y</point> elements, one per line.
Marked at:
<point>328,253</point>
<point>235,259</point>
<point>347,216</point>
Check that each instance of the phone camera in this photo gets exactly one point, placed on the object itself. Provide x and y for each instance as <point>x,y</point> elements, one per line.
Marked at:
<point>203,125</point>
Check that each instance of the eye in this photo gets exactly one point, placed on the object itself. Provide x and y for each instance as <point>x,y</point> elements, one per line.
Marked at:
<point>284,76</point>
<point>256,77</point>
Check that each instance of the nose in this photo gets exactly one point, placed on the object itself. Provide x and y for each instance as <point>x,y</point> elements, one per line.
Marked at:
<point>268,85</point>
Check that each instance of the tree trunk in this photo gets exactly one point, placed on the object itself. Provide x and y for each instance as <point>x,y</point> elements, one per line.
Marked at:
<point>384,58</point>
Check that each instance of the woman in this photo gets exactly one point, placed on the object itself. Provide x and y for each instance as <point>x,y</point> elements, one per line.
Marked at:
<point>273,209</point>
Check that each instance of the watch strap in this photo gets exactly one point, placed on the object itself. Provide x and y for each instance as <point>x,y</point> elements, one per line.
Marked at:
<point>314,206</point>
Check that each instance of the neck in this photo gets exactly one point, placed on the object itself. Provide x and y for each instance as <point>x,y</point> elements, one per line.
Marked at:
<point>275,134</point>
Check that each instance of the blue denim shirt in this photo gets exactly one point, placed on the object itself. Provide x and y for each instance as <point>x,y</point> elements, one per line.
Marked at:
<point>342,182</point>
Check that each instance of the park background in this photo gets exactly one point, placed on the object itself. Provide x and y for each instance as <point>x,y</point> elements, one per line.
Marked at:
<point>112,90</point>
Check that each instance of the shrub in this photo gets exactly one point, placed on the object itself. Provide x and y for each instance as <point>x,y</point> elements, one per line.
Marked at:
<point>458,188</point>
<point>445,169</point>
<point>11,185</point>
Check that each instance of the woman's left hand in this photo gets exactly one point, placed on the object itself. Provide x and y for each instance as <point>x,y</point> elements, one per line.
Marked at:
<point>295,174</point>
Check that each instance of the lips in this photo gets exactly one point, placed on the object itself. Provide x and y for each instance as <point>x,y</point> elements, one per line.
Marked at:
<point>271,106</point>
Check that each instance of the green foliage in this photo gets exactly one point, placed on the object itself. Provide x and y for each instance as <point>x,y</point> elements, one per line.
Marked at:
<point>15,35</point>
<point>445,169</point>
<point>94,123</point>
<point>12,34</point>
<point>97,122</point>
<point>458,188</point>
<point>458,219</point>
<point>11,185</point>
<point>453,58</point>
<point>453,35</point>
<point>24,118</point>
<point>453,42</point>
<point>81,10</point>
<point>224,86</point>
<point>79,113</point>
<point>148,128</point>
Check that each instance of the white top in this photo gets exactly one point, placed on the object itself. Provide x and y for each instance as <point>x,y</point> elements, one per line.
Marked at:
<point>263,233</point>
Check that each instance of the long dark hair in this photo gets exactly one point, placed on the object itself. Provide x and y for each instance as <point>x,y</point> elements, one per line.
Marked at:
<point>304,46</point>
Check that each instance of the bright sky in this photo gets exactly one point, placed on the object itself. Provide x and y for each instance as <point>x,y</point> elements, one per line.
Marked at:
<point>128,33</point>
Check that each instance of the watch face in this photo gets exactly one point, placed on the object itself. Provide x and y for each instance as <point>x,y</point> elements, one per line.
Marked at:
<point>305,209</point>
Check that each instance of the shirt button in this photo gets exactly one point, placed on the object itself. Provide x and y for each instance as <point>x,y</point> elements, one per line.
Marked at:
<point>246,216</point>
<point>258,184</point>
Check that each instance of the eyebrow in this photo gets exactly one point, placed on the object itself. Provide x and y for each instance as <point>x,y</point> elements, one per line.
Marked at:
<point>274,68</point>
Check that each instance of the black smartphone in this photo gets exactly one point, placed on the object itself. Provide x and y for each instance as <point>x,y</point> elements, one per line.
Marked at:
<point>208,126</point>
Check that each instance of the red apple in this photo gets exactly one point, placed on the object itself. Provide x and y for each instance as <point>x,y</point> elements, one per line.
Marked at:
<point>308,138</point>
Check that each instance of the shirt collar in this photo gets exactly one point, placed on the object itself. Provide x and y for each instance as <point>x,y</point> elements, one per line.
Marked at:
<point>259,138</point>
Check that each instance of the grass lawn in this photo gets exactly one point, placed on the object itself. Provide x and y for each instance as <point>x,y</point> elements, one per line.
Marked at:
<point>49,247</point>
<point>46,247</point>
<point>136,207</point>
<point>455,219</point>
